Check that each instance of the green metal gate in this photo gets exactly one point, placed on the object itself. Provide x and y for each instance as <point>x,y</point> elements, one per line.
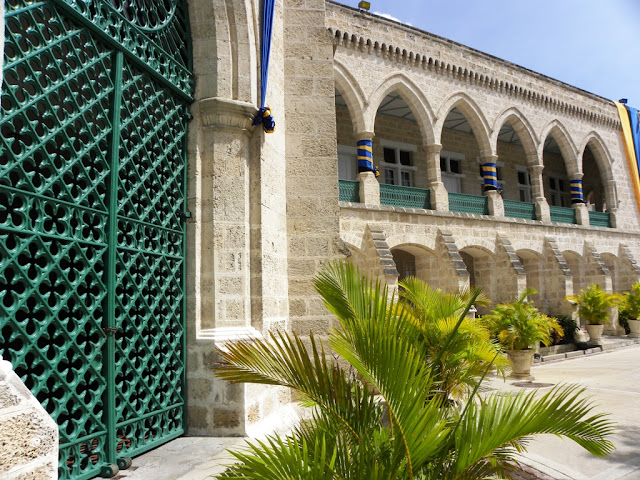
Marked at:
<point>92,203</point>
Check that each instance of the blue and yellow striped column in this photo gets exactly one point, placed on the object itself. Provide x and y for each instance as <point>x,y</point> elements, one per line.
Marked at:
<point>365,156</point>
<point>575,186</point>
<point>490,176</point>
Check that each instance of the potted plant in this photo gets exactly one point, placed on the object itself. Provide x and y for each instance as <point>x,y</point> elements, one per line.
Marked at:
<point>519,326</point>
<point>593,304</point>
<point>631,304</point>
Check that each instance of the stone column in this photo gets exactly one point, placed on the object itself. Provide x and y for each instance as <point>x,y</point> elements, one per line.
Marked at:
<point>577,199</point>
<point>537,193</point>
<point>494,198</point>
<point>438,192</point>
<point>369,186</point>
<point>611,196</point>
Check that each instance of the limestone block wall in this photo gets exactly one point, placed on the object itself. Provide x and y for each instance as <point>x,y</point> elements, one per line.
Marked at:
<point>507,254</point>
<point>29,446</point>
<point>375,56</point>
<point>237,235</point>
<point>311,160</point>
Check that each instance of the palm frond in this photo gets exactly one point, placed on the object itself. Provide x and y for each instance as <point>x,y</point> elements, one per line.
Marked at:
<point>502,420</point>
<point>286,361</point>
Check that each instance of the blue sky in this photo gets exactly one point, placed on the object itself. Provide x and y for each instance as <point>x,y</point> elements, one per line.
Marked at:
<point>591,44</point>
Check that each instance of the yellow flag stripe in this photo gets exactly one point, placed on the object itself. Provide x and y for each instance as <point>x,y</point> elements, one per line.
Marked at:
<point>627,140</point>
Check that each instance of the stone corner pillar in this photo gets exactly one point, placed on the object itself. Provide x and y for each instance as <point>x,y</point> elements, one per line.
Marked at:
<point>369,188</point>
<point>495,203</point>
<point>438,194</point>
<point>582,213</point>
<point>29,447</point>
<point>542,209</point>
<point>543,213</point>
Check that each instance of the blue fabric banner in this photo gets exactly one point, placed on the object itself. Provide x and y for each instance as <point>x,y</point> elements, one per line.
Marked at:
<point>365,156</point>
<point>490,176</point>
<point>635,132</point>
<point>576,191</point>
<point>264,116</point>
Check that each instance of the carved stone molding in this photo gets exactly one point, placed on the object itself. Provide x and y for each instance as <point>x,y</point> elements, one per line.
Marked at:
<point>222,113</point>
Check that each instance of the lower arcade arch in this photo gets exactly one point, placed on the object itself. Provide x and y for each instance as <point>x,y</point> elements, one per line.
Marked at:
<point>425,264</point>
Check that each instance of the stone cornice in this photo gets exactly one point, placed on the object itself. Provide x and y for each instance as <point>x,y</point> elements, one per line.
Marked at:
<point>403,56</point>
<point>227,114</point>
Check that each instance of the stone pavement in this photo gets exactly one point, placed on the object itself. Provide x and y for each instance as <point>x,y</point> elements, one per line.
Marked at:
<point>612,378</point>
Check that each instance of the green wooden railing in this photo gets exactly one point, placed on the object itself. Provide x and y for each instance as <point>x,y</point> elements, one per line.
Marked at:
<point>513,208</point>
<point>461,202</point>
<point>562,214</point>
<point>349,191</point>
<point>410,197</point>
<point>600,219</point>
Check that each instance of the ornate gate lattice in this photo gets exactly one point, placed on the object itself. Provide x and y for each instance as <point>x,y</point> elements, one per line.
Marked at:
<point>92,193</point>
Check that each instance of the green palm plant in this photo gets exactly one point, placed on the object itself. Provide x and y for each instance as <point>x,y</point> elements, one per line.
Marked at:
<point>631,301</point>
<point>593,303</point>
<point>426,436</point>
<point>470,351</point>
<point>519,325</point>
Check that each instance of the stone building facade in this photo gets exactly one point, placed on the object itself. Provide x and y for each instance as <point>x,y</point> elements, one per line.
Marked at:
<point>266,210</point>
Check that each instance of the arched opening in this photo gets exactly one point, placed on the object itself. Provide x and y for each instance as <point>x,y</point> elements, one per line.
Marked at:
<point>533,265</point>
<point>460,155</point>
<point>347,152</point>
<point>512,167</point>
<point>425,264</point>
<point>480,264</point>
<point>405,263</point>
<point>576,264</point>
<point>619,281</point>
<point>592,184</point>
<point>398,144</point>
<point>555,176</point>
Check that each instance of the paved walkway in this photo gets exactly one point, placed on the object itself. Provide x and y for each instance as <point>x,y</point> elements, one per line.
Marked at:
<point>612,379</point>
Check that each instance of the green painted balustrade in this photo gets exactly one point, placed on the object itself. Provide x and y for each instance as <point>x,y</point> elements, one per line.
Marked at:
<point>463,203</point>
<point>409,197</point>
<point>600,219</point>
<point>349,191</point>
<point>515,209</point>
<point>562,214</point>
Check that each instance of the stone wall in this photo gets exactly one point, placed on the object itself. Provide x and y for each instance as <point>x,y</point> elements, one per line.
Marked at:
<point>237,236</point>
<point>376,56</point>
<point>508,254</point>
<point>29,446</point>
<point>312,169</point>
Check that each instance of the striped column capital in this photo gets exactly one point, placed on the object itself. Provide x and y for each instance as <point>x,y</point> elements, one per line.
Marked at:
<point>575,185</point>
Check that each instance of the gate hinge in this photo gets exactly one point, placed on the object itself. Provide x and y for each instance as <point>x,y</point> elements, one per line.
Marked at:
<point>185,215</point>
<point>108,330</point>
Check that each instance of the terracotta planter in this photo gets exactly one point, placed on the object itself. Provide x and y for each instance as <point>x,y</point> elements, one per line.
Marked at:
<point>634,326</point>
<point>521,361</point>
<point>595,332</point>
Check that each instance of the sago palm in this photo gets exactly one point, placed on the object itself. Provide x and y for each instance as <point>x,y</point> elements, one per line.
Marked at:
<point>593,304</point>
<point>435,314</point>
<point>519,325</point>
<point>427,437</point>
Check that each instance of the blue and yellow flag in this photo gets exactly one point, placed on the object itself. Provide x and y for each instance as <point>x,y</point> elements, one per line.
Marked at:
<point>631,141</point>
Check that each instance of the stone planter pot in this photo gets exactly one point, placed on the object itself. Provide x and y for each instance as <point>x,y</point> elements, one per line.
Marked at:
<point>595,332</point>
<point>521,361</point>
<point>634,326</point>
